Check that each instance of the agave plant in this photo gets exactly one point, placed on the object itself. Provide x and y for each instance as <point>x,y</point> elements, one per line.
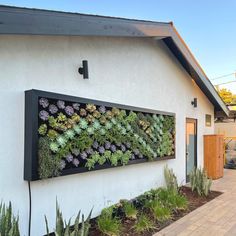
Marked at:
<point>66,229</point>
<point>9,224</point>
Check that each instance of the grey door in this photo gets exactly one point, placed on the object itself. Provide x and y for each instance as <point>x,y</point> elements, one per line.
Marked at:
<point>191,146</point>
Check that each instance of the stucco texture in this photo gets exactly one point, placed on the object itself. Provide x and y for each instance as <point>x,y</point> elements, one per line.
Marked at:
<point>136,72</point>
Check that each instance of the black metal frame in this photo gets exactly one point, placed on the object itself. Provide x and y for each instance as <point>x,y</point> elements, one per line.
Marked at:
<point>31,131</point>
<point>195,121</point>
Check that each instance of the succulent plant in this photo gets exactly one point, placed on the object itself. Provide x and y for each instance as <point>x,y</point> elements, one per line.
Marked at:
<point>83,124</point>
<point>101,149</point>
<point>128,127</point>
<point>103,120</point>
<point>102,131</point>
<point>76,162</point>
<point>132,157</point>
<point>118,144</point>
<point>90,108</point>
<point>69,134</point>
<point>42,129</point>
<point>43,115</point>
<point>115,111</point>
<point>77,129</point>
<point>102,109</point>
<point>75,151</point>
<point>76,106</point>
<point>113,148</point>
<point>61,117</point>
<point>127,144</point>
<point>61,140</point>
<point>62,164</point>
<point>75,117</point>
<point>69,157</point>
<point>123,148</point>
<point>90,130</point>
<point>90,118</point>
<point>140,155</point>
<point>96,124</point>
<point>113,120</point>
<point>83,112</point>
<point>96,114</point>
<point>69,110</point>
<point>61,104</point>
<point>119,126</point>
<point>108,125</point>
<point>136,151</point>
<point>52,134</point>
<point>43,102</point>
<point>107,145</point>
<point>89,151</point>
<point>109,114</point>
<point>123,131</point>
<point>53,109</point>
<point>83,155</point>
<point>95,144</point>
<point>54,147</point>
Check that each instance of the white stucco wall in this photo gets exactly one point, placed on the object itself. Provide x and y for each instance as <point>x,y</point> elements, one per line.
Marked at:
<point>137,72</point>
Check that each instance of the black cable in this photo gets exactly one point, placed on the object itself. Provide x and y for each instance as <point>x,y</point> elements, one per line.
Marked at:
<point>29,226</point>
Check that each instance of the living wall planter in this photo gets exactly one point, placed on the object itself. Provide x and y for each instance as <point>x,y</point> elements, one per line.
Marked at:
<point>67,135</point>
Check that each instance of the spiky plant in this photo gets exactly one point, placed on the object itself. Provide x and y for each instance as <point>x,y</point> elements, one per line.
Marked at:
<point>170,179</point>
<point>143,224</point>
<point>200,182</point>
<point>65,229</point>
<point>9,224</point>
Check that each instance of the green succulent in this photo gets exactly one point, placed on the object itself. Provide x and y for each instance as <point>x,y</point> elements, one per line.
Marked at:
<point>83,124</point>
<point>102,131</point>
<point>90,130</point>
<point>103,120</point>
<point>54,147</point>
<point>52,134</point>
<point>52,122</point>
<point>42,129</point>
<point>77,129</point>
<point>61,117</point>
<point>113,120</point>
<point>108,125</point>
<point>96,125</point>
<point>69,134</point>
<point>61,140</point>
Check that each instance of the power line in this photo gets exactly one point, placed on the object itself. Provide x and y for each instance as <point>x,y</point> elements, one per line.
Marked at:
<point>227,75</point>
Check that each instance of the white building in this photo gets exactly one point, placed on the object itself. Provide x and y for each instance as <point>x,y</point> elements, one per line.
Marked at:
<point>130,62</point>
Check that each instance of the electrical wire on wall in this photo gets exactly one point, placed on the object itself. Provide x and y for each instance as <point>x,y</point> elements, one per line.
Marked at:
<point>29,224</point>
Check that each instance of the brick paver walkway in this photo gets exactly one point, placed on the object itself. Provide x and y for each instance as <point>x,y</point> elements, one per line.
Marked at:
<point>217,218</point>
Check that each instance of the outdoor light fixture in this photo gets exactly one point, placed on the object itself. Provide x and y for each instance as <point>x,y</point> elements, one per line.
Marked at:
<point>194,102</point>
<point>84,69</point>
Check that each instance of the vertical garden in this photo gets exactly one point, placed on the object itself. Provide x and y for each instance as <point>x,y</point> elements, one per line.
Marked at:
<point>72,135</point>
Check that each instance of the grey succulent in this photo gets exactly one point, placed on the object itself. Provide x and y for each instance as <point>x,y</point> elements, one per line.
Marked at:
<point>128,145</point>
<point>123,148</point>
<point>107,145</point>
<point>95,144</point>
<point>69,110</point>
<point>102,109</point>
<point>136,151</point>
<point>89,151</point>
<point>118,144</point>
<point>132,157</point>
<point>69,157</point>
<point>101,149</point>
<point>140,155</point>
<point>43,115</point>
<point>62,164</point>
<point>61,104</point>
<point>43,102</point>
<point>83,155</point>
<point>76,162</point>
<point>53,109</point>
<point>113,148</point>
<point>76,106</point>
<point>75,151</point>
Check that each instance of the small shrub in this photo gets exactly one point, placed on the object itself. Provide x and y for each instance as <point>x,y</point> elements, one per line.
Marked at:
<point>108,224</point>
<point>9,224</point>
<point>174,201</point>
<point>159,211</point>
<point>65,229</point>
<point>200,182</point>
<point>171,179</point>
<point>129,210</point>
<point>144,223</point>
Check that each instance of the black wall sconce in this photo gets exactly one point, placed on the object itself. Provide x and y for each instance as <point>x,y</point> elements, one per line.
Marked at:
<point>84,69</point>
<point>194,102</point>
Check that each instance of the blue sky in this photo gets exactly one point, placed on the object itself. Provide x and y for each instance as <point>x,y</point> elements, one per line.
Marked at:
<point>207,26</point>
